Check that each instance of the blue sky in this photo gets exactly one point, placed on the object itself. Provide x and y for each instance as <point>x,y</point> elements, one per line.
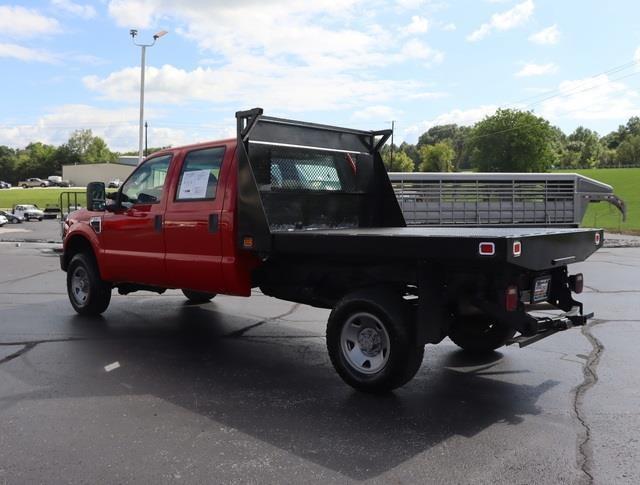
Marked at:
<point>68,64</point>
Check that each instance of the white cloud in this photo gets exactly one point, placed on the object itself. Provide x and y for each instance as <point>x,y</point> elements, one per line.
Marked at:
<point>595,98</point>
<point>532,69</point>
<point>281,54</point>
<point>80,10</point>
<point>20,22</point>
<point>250,81</point>
<point>636,55</point>
<point>22,53</point>
<point>418,25</point>
<point>376,113</point>
<point>410,4</point>
<point>415,49</point>
<point>118,127</point>
<point>450,27</point>
<point>548,36</point>
<point>507,20</point>
<point>457,116</point>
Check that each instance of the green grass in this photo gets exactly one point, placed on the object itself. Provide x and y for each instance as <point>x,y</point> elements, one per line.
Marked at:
<point>626,185</point>
<point>39,197</point>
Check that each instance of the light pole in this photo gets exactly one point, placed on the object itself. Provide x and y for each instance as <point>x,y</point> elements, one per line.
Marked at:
<point>134,33</point>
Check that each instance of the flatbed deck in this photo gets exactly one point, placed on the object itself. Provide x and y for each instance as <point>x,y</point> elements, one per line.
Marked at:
<point>542,248</point>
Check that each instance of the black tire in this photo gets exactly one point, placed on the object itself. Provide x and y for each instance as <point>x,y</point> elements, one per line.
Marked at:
<point>43,185</point>
<point>25,186</point>
<point>94,297</point>
<point>40,219</point>
<point>478,334</point>
<point>382,310</point>
<point>198,296</point>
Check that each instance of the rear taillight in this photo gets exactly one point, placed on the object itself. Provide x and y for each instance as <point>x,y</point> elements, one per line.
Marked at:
<point>576,283</point>
<point>517,248</point>
<point>487,249</point>
<point>511,298</point>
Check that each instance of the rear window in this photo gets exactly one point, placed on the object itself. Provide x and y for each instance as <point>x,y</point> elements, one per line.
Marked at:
<point>305,170</point>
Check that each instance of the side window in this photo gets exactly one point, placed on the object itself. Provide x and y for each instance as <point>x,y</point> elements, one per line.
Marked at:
<point>199,176</point>
<point>146,184</point>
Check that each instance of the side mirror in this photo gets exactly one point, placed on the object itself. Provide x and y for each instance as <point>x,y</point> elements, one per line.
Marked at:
<point>96,196</point>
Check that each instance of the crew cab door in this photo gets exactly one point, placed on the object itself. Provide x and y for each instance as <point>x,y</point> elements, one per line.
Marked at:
<point>192,222</point>
<point>132,237</point>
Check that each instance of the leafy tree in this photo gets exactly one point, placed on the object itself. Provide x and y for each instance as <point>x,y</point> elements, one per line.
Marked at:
<point>412,151</point>
<point>399,162</point>
<point>98,152</point>
<point>437,158</point>
<point>35,160</point>
<point>455,135</point>
<point>7,164</point>
<point>587,143</point>
<point>89,148</point>
<point>628,152</point>
<point>512,141</point>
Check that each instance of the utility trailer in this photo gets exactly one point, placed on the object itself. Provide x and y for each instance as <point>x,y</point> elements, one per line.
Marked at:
<point>499,199</point>
<point>307,213</point>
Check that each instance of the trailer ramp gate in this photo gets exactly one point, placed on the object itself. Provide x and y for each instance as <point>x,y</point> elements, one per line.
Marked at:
<point>490,199</point>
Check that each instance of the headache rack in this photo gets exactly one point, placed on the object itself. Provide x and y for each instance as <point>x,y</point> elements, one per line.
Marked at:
<point>498,199</point>
<point>299,176</point>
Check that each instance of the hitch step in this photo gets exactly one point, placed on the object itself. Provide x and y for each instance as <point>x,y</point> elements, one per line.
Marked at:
<point>549,326</point>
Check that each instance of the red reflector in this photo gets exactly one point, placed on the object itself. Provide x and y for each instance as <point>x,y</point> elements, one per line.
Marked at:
<point>597,239</point>
<point>487,249</point>
<point>511,298</point>
<point>247,242</point>
<point>576,283</point>
<point>517,248</point>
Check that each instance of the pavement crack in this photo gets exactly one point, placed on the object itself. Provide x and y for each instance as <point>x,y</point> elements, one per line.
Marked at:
<point>22,278</point>
<point>240,332</point>
<point>585,453</point>
<point>25,348</point>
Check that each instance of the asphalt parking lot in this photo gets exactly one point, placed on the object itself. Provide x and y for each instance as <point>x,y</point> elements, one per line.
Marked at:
<point>241,390</point>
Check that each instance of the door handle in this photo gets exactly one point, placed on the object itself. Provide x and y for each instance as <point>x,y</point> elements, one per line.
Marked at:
<point>213,223</point>
<point>157,223</point>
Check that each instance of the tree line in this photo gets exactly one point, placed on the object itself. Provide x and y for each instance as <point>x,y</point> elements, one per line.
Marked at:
<point>508,141</point>
<point>515,141</point>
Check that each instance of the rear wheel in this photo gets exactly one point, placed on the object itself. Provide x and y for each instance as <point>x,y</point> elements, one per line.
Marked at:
<point>371,341</point>
<point>479,333</point>
<point>88,293</point>
<point>198,296</point>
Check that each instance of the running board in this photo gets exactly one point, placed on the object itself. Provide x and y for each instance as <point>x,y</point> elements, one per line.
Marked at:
<point>549,326</point>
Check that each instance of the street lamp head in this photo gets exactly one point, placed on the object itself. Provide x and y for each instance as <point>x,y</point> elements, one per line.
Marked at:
<point>157,35</point>
<point>133,33</point>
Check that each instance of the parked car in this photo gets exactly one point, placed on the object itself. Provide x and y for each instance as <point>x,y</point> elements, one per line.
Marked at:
<point>114,184</point>
<point>57,181</point>
<point>34,182</point>
<point>11,218</point>
<point>51,211</point>
<point>4,185</point>
<point>3,220</point>
<point>28,211</point>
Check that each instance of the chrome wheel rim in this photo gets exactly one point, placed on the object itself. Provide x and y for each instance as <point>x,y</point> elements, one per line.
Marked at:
<point>80,285</point>
<point>365,343</point>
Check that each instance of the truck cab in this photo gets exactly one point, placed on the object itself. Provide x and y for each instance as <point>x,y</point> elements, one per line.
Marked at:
<point>307,213</point>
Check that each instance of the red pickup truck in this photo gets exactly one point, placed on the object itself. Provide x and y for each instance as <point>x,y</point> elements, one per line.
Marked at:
<point>306,213</point>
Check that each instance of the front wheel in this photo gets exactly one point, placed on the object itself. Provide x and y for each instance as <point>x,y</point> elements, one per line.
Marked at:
<point>479,334</point>
<point>88,293</point>
<point>198,296</point>
<point>371,341</point>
